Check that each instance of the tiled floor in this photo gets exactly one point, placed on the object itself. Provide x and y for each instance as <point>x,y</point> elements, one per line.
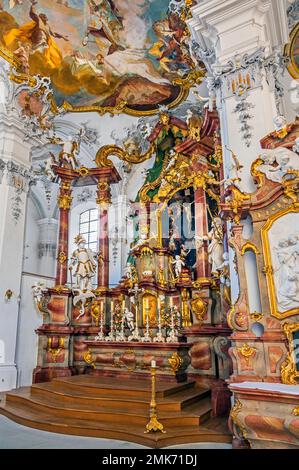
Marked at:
<point>15,436</point>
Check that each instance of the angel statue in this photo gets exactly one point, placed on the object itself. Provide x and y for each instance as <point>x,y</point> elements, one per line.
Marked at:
<point>84,262</point>
<point>178,265</point>
<point>70,148</point>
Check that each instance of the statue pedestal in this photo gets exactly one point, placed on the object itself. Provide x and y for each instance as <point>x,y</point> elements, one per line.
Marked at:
<point>133,360</point>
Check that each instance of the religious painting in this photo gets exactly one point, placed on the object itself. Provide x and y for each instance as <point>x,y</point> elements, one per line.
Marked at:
<point>280,237</point>
<point>292,50</point>
<point>102,53</point>
<point>150,303</point>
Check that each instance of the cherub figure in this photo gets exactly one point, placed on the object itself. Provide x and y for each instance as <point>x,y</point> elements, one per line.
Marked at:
<point>178,265</point>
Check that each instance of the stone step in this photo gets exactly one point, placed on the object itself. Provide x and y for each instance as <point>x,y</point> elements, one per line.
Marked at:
<point>120,388</point>
<point>129,432</point>
<point>174,402</point>
<point>54,407</point>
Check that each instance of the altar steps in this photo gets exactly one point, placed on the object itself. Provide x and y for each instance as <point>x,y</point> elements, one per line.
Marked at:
<point>172,402</point>
<point>60,406</point>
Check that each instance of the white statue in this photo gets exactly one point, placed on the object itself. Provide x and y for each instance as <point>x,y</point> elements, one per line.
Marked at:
<point>178,265</point>
<point>38,291</point>
<point>69,152</point>
<point>84,262</point>
<point>280,122</point>
<point>224,270</point>
<point>215,249</point>
<point>277,163</point>
<point>286,272</point>
<point>129,317</point>
<point>48,167</point>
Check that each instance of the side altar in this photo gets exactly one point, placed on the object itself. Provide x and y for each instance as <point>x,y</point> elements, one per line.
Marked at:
<point>170,305</point>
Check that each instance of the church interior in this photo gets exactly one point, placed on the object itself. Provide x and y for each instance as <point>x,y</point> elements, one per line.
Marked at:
<point>149,192</point>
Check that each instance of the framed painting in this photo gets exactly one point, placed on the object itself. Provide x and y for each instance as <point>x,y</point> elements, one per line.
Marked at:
<point>280,239</point>
<point>103,54</point>
<point>292,51</point>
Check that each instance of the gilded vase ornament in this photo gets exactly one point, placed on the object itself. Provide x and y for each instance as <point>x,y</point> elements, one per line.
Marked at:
<point>247,352</point>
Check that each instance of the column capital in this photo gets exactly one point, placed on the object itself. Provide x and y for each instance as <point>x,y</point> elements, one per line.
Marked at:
<point>239,25</point>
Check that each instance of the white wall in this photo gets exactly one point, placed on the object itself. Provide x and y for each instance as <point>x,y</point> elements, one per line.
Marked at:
<point>29,320</point>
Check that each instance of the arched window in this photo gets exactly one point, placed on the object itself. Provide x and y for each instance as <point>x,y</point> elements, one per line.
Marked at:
<point>88,227</point>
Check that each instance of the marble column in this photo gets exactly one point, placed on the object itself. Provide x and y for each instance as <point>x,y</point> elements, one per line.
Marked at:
<point>201,229</point>
<point>103,200</point>
<point>64,203</point>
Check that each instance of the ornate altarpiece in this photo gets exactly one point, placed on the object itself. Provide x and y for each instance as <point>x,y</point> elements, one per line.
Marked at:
<point>265,343</point>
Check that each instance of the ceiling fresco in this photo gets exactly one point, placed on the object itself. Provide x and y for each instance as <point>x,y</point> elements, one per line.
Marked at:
<point>102,53</point>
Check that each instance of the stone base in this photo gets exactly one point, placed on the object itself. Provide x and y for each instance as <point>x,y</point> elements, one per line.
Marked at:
<point>266,414</point>
<point>8,377</point>
<point>46,374</point>
<point>134,359</point>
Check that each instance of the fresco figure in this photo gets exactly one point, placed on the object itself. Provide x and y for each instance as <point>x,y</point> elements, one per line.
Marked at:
<point>40,36</point>
<point>105,24</point>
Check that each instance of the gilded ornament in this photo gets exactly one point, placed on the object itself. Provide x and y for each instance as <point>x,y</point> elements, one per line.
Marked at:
<point>153,424</point>
<point>62,257</point>
<point>246,351</point>
<point>96,311</point>
<point>256,316</point>
<point>55,351</point>
<point>296,411</point>
<point>289,372</point>
<point>268,270</point>
<point>186,313</point>
<point>199,307</point>
<point>83,171</point>
<point>249,246</point>
<point>234,416</point>
<point>291,188</point>
<point>175,362</point>
<point>64,201</point>
<point>236,202</point>
<point>104,152</point>
<point>88,358</point>
<point>235,411</point>
<point>161,278</point>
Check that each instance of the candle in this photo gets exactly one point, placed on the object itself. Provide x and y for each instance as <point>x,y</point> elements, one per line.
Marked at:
<point>153,363</point>
<point>170,301</point>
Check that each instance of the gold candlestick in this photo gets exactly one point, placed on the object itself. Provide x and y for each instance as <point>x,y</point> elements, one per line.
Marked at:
<point>154,424</point>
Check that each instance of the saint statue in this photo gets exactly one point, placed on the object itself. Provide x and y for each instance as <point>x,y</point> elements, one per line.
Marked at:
<point>129,318</point>
<point>215,249</point>
<point>84,262</point>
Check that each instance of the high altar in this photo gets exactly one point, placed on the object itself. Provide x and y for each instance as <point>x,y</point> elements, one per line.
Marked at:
<point>170,304</point>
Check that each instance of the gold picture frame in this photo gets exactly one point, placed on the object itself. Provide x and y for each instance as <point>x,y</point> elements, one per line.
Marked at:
<point>289,368</point>
<point>268,267</point>
<point>292,51</point>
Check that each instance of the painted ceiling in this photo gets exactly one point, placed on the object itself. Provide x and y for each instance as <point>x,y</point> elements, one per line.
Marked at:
<point>101,53</point>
